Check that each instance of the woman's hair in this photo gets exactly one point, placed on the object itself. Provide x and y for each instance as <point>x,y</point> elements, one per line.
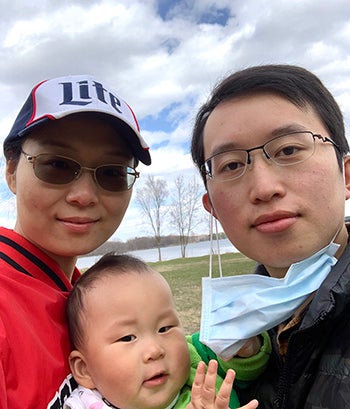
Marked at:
<point>110,264</point>
<point>293,83</point>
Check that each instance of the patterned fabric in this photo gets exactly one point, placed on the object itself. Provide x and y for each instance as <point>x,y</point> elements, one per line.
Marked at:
<point>83,398</point>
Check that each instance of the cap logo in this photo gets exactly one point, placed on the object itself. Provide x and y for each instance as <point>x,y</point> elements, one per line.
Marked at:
<point>79,93</point>
<point>57,98</point>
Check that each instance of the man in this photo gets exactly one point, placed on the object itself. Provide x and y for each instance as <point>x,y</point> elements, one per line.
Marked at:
<point>271,147</point>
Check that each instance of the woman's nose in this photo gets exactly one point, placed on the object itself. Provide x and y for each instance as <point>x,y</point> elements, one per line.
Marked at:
<point>83,190</point>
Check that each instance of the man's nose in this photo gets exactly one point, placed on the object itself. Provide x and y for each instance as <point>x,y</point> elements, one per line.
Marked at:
<point>265,179</point>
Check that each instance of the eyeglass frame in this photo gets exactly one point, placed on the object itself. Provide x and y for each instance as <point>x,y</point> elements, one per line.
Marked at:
<point>206,167</point>
<point>32,158</point>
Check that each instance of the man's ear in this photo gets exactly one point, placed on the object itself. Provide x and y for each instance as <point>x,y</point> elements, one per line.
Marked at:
<point>80,370</point>
<point>11,166</point>
<point>347,176</point>
<point>207,204</point>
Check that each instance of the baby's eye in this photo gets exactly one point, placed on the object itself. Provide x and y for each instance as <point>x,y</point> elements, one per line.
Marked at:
<point>127,338</point>
<point>166,328</point>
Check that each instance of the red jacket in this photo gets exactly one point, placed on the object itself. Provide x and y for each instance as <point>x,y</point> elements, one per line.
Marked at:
<point>34,342</point>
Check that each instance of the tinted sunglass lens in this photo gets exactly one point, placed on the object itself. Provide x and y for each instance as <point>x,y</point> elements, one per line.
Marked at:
<point>60,170</point>
<point>114,178</point>
<point>55,169</point>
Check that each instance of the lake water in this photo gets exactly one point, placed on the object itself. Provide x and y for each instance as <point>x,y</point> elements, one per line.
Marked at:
<point>201,248</point>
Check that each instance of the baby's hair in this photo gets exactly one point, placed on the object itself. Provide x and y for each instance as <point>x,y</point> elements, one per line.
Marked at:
<point>108,265</point>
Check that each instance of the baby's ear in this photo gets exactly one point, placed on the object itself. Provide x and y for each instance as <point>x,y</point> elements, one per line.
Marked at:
<point>80,370</point>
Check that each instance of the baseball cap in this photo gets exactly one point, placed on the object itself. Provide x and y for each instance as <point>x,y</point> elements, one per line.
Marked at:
<point>59,97</point>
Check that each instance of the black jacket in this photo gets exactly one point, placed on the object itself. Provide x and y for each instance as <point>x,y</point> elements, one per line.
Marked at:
<point>316,371</point>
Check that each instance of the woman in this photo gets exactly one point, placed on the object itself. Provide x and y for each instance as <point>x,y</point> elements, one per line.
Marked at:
<point>70,160</point>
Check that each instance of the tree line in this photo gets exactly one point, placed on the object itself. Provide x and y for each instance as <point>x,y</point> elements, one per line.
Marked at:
<point>147,242</point>
<point>179,207</point>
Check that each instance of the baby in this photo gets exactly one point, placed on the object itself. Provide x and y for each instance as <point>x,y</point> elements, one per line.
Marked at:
<point>130,351</point>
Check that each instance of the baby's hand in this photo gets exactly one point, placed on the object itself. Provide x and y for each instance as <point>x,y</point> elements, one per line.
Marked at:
<point>204,391</point>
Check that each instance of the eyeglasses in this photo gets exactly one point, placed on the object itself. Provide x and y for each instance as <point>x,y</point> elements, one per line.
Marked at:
<point>60,170</point>
<point>284,150</point>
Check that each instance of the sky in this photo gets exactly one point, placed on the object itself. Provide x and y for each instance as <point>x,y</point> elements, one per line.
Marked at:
<point>164,57</point>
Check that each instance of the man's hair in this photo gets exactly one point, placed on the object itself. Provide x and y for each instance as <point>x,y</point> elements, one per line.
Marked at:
<point>110,264</point>
<point>293,83</point>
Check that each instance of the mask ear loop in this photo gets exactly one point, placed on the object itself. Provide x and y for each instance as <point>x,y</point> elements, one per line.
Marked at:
<point>212,218</point>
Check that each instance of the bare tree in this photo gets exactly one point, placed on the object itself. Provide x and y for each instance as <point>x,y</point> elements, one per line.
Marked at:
<point>151,200</point>
<point>185,212</point>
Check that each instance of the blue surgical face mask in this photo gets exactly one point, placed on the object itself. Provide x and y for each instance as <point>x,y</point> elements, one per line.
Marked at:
<point>239,307</point>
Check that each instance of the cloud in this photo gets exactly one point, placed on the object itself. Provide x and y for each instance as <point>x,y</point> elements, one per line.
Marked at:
<point>165,56</point>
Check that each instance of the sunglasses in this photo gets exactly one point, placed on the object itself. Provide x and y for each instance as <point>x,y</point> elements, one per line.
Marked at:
<point>60,170</point>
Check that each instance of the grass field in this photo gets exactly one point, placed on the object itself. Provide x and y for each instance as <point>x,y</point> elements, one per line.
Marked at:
<point>184,277</point>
